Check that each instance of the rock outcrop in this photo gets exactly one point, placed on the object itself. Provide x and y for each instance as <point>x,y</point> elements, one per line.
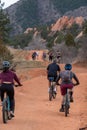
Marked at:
<point>66,21</point>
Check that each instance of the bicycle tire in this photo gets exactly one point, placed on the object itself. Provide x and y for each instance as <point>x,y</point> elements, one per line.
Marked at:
<point>4,112</point>
<point>66,110</point>
<point>51,93</point>
<point>50,96</point>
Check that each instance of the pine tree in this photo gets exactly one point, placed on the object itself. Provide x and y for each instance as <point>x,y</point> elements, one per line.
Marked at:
<point>4,25</point>
<point>4,35</point>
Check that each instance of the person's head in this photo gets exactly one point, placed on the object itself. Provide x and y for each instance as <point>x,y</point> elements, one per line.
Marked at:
<point>5,65</point>
<point>54,61</point>
<point>68,66</point>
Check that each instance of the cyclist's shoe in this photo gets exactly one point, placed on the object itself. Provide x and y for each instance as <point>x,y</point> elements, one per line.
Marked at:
<point>55,92</point>
<point>62,108</point>
<point>71,99</point>
<point>12,114</point>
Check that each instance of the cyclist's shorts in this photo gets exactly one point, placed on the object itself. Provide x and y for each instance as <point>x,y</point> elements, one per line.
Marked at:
<point>54,78</point>
<point>64,86</point>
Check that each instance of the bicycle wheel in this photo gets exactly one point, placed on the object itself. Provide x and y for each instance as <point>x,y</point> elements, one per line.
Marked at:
<point>4,112</point>
<point>66,109</point>
<point>50,94</point>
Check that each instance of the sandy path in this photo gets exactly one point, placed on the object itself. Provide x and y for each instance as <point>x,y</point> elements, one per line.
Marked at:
<point>35,112</point>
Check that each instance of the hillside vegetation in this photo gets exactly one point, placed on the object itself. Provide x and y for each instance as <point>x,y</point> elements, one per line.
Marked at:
<point>67,5</point>
<point>31,13</point>
<point>67,41</point>
<point>43,37</point>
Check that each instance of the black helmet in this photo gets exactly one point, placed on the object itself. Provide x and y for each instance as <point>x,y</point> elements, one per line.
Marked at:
<point>68,67</point>
<point>6,64</point>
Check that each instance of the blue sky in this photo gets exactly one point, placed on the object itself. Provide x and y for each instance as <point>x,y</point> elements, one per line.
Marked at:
<point>8,2</point>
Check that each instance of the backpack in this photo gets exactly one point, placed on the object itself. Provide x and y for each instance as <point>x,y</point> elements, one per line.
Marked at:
<point>66,75</point>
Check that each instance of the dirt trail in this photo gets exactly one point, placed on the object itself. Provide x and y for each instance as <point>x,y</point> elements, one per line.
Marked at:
<point>35,112</point>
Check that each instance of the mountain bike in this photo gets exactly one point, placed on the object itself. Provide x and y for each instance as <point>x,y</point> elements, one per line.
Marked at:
<point>52,93</point>
<point>6,108</point>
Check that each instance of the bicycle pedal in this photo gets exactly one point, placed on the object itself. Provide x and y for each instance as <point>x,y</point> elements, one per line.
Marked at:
<point>61,110</point>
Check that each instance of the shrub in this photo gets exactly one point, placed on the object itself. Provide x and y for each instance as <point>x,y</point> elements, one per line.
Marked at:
<point>69,40</point>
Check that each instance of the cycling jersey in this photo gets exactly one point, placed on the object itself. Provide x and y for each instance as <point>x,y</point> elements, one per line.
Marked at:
<point>52,69</point>
<point>9,76</point>
<point>60,76</point>
<point>66,84</point>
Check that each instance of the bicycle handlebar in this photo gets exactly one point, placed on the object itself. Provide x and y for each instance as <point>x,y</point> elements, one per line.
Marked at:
<point>17,85</point>
<point>74,84</point>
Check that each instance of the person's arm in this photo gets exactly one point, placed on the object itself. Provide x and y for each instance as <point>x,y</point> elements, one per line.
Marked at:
<point>58,71</point>
<point>76,79</point>
<point>57,79</point>
<point>17,80</point>
<point>47,69</point>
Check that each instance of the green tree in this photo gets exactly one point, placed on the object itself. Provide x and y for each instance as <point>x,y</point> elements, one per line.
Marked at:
<point>4,25</point>
<point>4,35</point>
<point>22,40</point>
<point>69,40</point>
<point>74,29</point>
<point>84,27</point>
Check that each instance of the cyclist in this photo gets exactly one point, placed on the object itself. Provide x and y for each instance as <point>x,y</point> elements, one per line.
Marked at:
<point>34,55</point>
<point>66,83</point>
<point>58,55</point>
<point>52,71</point>
<point>7,78</point>
<point>51,56</point>
<point>44,56</point>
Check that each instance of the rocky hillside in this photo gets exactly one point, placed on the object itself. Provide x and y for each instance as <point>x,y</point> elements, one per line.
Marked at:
<point>66,21</point>
<point>31,13</point>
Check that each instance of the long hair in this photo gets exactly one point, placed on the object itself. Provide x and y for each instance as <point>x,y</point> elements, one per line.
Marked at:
<point>5,69</point>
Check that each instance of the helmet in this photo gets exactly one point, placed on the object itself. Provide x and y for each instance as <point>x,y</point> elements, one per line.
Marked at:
<point>68,67</point>
<point>6,64</point>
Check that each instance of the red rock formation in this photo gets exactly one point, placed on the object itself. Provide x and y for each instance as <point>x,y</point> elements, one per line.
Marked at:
<point>66,21</point>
